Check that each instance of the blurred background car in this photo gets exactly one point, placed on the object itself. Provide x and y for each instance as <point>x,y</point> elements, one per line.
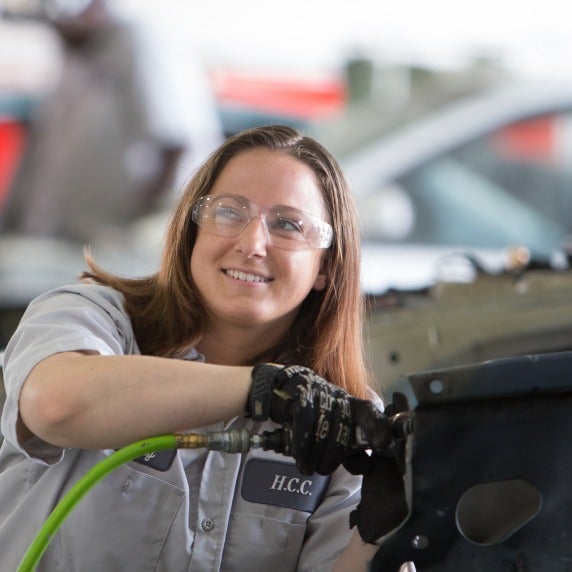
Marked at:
<point>479,176</point>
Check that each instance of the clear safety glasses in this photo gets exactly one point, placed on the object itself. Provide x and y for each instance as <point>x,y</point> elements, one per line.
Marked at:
<point>286,227</point>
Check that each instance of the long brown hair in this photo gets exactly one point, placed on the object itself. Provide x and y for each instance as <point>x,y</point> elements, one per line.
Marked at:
<point>327,333</point>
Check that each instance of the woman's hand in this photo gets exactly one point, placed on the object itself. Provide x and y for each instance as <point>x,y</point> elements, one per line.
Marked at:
<point>318,412</point>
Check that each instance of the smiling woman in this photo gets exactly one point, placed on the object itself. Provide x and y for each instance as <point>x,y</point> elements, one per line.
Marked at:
<point>250,241</point>
<point>260,267</point>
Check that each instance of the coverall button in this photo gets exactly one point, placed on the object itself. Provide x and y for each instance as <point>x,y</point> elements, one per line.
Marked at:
<point>207,524</point>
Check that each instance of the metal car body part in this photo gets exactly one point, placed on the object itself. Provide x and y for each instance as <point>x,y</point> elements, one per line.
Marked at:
<point>489,469</point>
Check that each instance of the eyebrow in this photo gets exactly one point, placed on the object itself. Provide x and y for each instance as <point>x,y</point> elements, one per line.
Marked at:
<point>319,217</point>
<point>290,208</point>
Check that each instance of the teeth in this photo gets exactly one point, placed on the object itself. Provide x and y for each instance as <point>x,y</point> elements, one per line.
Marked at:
<point>246,277</point>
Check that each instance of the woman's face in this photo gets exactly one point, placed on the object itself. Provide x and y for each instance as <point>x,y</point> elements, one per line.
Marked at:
<point>244,281</point>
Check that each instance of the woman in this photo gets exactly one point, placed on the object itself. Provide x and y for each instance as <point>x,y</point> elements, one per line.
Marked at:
<point>261,264</point>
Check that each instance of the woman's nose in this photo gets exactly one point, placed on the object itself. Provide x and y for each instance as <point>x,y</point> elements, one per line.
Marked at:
<point>253,238</point>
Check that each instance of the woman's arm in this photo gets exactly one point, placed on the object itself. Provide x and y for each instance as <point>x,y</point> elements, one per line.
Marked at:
<point>90,401</point>
<point>356,557</point>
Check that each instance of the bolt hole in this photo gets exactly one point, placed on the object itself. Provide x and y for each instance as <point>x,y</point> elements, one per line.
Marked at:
<point>394,357</point>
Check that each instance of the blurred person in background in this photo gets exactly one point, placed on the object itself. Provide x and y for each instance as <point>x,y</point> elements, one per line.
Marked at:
<point>129,113</point>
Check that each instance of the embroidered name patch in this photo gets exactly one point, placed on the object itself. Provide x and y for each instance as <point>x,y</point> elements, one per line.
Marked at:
<point>160,460</point>
<point>281,484</point>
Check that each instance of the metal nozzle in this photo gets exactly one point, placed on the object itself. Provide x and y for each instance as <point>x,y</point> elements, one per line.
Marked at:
<point>231,441</point>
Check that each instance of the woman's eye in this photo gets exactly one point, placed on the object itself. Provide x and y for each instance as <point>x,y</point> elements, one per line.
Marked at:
<point>287,224</point>
<point>227,213</point>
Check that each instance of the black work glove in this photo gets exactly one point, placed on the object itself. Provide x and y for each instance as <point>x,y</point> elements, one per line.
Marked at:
<point>319,413</point>
<point>383,505</point>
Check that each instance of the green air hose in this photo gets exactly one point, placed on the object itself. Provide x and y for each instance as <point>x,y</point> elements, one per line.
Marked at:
<point>229,441</point>
<point>76,493</point>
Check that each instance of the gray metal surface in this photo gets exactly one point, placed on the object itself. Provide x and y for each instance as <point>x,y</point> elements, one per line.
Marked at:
<point>455,324</point>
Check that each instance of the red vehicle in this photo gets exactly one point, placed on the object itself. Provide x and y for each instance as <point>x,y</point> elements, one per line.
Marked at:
<point>12,138</point>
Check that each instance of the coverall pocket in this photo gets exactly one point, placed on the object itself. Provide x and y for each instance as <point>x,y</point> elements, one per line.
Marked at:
<point>121,525</point>
<point>259,544</point>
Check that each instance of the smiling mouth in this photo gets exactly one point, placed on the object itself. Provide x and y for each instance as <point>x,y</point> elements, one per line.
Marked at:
<point>246,277</point>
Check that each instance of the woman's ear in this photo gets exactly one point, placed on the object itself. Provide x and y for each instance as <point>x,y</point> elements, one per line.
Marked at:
<point>320,282</point>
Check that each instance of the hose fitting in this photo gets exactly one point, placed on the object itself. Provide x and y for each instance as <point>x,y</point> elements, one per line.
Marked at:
<point>237,441</point>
